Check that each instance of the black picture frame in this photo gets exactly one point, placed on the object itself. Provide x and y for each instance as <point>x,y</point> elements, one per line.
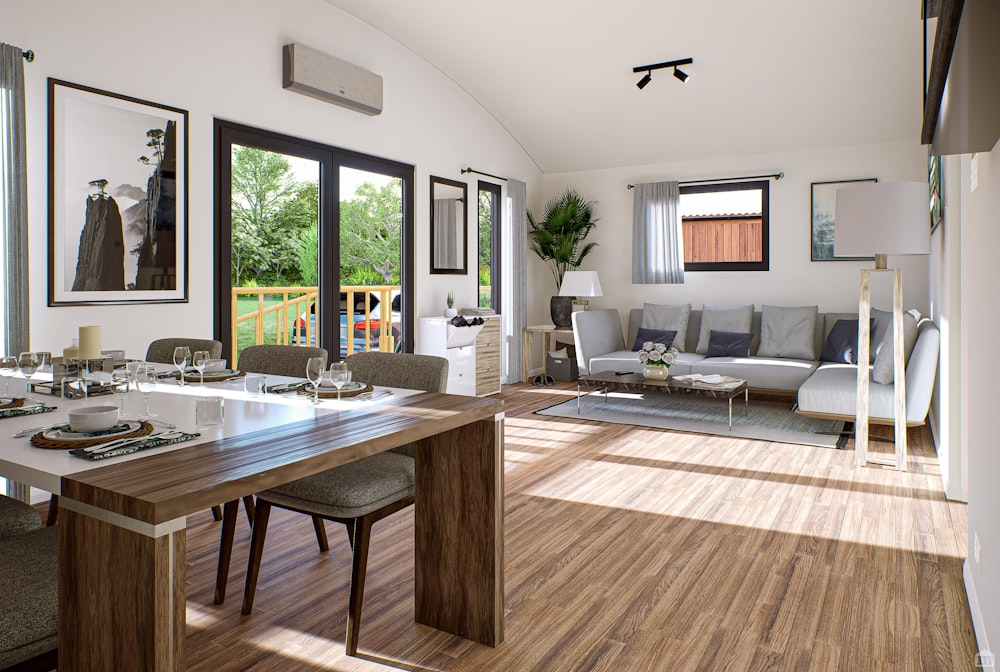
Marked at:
<point>823,200</point>
<point>110,240</point>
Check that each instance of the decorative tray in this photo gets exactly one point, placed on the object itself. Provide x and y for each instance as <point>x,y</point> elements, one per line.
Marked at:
<point>60,437</point>
<point>352,389</point>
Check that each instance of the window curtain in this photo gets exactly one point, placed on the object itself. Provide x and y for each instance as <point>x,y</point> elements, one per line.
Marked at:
<point>13,201</point>
<point>515,292</point>
<point>657,235</point>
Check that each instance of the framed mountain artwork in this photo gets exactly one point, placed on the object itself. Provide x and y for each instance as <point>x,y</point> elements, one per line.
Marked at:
<point>117,198</point>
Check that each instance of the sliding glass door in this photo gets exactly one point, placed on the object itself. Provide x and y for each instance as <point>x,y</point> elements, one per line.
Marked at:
<point>313,245</point>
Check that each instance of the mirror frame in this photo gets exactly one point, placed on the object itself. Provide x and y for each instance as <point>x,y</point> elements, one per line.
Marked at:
<point>464,269</point>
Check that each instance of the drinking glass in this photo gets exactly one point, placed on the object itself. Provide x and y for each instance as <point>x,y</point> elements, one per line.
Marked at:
<point>339,376</point>
<point>315,369</point>
<point>120,383</point>
<point>198,360</point>
<point>182,355</point>
<point>8,368</point>
<point>145,381</point>
<point>27,364</point>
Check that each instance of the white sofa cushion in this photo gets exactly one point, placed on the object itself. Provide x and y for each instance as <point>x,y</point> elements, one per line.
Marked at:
<point>788,332</point>
<point>627,360</point>
<point>762,373</point>
<point>883,369</point>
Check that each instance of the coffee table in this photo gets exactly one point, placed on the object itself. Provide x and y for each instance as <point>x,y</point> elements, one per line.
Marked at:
<point>729,389</point>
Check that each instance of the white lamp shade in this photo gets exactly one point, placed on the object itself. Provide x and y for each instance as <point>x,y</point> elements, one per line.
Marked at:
<point>882,218</point>
<point>580,283</point>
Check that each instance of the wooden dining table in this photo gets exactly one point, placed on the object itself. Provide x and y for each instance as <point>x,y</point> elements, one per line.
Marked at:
<point>122,521</point>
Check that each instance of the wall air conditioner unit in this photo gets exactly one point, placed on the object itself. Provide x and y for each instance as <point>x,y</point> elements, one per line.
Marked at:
<point>322,76</point>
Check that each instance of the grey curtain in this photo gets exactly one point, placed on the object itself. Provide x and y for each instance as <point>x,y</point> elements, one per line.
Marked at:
<point>446,233</point>
<point>13,200</point>
<point>657,236</point>
<point>515,291</point>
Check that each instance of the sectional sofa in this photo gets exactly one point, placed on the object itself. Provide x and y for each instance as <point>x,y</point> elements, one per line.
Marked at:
<point>821,388</point>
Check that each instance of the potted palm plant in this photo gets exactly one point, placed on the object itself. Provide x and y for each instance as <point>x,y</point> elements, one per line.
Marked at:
<point>559,239</point>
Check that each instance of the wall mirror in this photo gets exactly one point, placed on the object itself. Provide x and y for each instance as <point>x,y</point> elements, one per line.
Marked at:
<point>449,226</point>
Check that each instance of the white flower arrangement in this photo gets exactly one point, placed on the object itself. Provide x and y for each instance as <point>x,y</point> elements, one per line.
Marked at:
<point>657,354</point>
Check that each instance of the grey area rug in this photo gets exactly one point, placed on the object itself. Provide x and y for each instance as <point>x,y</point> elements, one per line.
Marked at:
<point>766,420</point>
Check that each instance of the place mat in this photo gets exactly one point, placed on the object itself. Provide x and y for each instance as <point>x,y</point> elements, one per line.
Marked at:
<point>192,376</point>
<point>39,440</point>
<point>11,402</point>
<point>352,389</point>
<point>31,410</point>
<point>281,388</point>
<point>151,442</point>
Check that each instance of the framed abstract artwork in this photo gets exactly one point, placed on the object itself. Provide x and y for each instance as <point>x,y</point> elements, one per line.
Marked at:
<point>824,216</point>
<point>117,198</point>
<point>935,181</point>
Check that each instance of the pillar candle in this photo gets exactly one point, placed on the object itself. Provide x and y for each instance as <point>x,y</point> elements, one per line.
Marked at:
<point>90,342</point>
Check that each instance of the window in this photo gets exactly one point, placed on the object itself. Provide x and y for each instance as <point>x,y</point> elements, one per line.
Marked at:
<point>725,226</point>
<point>488,260</point>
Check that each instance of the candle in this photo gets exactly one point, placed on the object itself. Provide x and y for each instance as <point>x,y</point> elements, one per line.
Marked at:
<point>90,342</point>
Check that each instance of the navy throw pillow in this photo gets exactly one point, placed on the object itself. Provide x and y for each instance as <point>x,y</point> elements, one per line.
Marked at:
<point>728,344</point>
<point>644,335</point>
<point>842,343</point>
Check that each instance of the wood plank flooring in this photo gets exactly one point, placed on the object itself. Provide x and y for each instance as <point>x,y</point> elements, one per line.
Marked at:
<point>632,549</point>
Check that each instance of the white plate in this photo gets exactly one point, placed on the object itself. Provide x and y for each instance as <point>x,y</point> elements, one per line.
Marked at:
<point>67,435</point>
<point>348,387</point>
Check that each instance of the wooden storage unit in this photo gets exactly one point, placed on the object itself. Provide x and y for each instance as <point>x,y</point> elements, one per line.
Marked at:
<point>488,357</point>
<point>473,353</point>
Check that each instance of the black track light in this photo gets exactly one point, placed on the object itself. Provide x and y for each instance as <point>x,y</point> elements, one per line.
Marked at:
<point>648,69</point>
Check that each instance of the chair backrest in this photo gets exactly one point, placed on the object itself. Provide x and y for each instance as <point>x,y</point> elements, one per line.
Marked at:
<point>162,349</point>
<point>278,360</point>
<point>396,369</point>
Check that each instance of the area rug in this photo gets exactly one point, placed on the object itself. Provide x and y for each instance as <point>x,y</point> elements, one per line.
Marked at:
<point>766,420</point>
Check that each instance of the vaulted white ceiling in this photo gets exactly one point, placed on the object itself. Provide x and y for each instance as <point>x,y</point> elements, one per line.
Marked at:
<point>771,76</point>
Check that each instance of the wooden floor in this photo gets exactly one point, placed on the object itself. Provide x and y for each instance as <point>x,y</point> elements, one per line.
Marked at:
<point>630,549</point>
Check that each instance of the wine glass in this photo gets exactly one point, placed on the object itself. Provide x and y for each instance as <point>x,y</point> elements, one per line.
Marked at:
<point>182,355</point>
<point>339,376</point>
<point>198,360</point>
<point>27,364</point>
<point>315,368</point>
<point>8,369</point>
<point>121,381</point>
<point>146,378</point>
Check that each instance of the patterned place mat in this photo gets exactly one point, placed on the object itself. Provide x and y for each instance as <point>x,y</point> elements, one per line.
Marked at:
<point>31,410</point>
<point>39,440</point>
<point>151,442</point>
<point>331,392</point>
<point>11,402</point>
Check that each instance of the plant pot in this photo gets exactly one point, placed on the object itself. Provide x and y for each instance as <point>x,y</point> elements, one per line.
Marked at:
<point>561,308</point>
<point>655,372</point>
<point>450,312</point>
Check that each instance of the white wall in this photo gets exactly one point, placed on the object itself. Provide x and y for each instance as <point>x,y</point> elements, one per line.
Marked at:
<point>980,278</point>
<point>793,278</point>
<point>222,58</point>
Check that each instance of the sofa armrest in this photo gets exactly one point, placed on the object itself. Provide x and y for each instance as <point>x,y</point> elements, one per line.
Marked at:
<point>921,370</point>
<point>596,332</point>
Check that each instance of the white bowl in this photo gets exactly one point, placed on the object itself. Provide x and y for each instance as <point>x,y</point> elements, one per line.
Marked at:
<point>93,418</point>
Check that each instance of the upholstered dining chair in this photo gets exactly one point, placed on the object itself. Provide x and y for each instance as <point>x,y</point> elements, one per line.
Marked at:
<point>161,350</point>
<point>29,593</point>
<point>357,494</point>
<point>16,517</point>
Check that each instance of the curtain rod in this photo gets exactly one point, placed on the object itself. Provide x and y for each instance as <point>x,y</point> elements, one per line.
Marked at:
<point>479,172</point>
<point>776,176</point>
<point>29,55</point>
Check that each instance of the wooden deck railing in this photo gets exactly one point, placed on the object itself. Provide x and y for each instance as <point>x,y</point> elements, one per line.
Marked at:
<point>288,304</point>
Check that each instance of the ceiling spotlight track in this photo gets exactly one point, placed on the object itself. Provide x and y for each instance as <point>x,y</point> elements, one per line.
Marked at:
<point>648,69</point>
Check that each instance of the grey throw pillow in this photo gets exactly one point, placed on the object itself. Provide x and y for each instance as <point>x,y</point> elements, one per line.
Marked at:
<point>883,370</point>
<point>883,325</point>
<point>667,317</point>
<point>733,319</point>
<point>788,332</point>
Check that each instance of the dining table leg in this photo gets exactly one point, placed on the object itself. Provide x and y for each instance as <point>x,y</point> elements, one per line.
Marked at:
<point>121,591</point>
<point>458,529</point>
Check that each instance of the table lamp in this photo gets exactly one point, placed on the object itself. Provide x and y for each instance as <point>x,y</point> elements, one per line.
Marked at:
<point>580,283</point>
<point>880,219</point>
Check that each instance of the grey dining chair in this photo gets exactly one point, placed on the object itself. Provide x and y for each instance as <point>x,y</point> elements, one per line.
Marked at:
<point>161,350</point>
<point>357,494</point>
<point>16,517</point>
<point>29,593</point>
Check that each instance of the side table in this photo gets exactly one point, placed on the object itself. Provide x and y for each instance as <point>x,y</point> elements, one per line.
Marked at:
<point>548,332</point>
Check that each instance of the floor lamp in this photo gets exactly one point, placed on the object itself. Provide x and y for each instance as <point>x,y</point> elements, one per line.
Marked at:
<point>881,219</point>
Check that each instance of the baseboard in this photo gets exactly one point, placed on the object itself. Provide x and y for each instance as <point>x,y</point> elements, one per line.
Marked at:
<point>986,661</point>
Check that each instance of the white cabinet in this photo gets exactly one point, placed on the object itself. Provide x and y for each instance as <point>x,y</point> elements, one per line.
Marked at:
<point>437,336</point>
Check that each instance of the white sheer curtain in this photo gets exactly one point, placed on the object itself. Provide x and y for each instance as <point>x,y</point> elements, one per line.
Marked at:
<point>514,310</point>
<point>657,235</point>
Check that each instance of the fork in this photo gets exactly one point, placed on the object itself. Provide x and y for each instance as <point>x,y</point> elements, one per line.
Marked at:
<point>121,443</point>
